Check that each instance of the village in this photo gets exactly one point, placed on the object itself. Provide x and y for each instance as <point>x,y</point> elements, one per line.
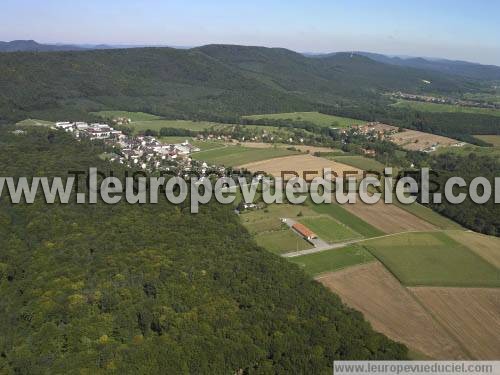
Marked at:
<point>408,139</point>
<point>444,100</point>
<point>142,151</point>
<point>149,153</point>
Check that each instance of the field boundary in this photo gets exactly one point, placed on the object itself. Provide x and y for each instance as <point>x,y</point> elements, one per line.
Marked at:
<point>352,242</point>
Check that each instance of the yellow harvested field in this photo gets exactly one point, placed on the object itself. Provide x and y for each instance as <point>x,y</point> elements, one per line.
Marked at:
<point>409,139</point>
<point>472,315</point>
<point>415,140</point>
<point>389,218</point>
<point>302,148</point>
<point>488,247</point>
<point>299,164</point>
<point>392,310</point>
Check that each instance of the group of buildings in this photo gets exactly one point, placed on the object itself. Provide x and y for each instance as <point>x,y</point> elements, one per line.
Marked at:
<point>144,152</point>
<point>375,130</point>
<point>441,100</point>
<point>150,154</point>
<point>91,131</point>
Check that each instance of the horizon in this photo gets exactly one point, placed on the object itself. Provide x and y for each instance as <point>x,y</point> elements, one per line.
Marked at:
<point>454,30</point>
<point>90,46</point>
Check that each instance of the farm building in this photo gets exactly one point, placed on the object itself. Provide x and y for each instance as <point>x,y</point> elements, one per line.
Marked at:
<point>304,231</point>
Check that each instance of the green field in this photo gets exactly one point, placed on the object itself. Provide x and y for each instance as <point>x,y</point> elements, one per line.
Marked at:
<point>433,259</point>
<point>179,124</point>
<point>260,226</point>
<point>238,155</point>
<point>434,107</point>
<point>361,162</point>
<point>208,145</point>
<point>493,97</point>
<point>314,117</point>
<point>134,116</point>
<point>332,260</point>
<point>173,140</point>
<point>468,149</point>
<point>329,229</point>
<point>345,217</point>
<point>493,139</point>
<point>202,145</point>
<point>196,126</point>
<point>35,122</point>
<point>269,218</point>
<point>143,121</point>
<point>282,241</point>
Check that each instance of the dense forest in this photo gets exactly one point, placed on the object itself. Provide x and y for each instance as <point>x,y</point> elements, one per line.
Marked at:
<point>153,288</point>
<point>482,218</point>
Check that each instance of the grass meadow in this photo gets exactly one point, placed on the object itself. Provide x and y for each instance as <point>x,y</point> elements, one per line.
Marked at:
<point>332,260</point>
<point>134,116</point>
<point>433,259</point>
<point>314,117</point>
<point>340,214</point>
<point>360,162</point>
<point>329,229</point>
<point>34,122</point>
<point>435,107</point>
<point>239,155</point>
<point>492,139</point>
<point>281,241</point>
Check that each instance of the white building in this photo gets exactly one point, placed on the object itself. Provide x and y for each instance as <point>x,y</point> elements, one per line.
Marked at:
<point>99,131</point>
<point>66,126</point>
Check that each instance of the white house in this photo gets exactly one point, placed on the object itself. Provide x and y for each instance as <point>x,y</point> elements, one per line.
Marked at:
<point>66,126</point>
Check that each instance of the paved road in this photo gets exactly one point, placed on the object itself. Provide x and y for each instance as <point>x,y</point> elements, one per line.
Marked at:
<point>319,244</point>
<point>339,245</point>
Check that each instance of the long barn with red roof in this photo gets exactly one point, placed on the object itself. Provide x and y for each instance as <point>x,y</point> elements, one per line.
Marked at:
<point>304,231</point>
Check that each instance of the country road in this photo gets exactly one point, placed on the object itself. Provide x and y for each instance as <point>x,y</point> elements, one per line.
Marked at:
<point>339,245</point>
<point>319,244</point>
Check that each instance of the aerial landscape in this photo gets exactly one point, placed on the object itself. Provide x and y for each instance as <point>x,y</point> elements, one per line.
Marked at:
<point>120,146</point>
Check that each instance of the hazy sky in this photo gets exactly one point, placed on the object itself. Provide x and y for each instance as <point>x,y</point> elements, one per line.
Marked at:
<point>458,29</point>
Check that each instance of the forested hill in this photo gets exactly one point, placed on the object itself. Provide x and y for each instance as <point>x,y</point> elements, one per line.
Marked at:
<point>153,288</point>
<point>215,80</point>
<point>31,45</point>
<point>341,73</point>
<point>461,68</point>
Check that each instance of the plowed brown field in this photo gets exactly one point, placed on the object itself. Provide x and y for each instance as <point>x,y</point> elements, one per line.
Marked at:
<point>392,310</point>
<point>472,315</point>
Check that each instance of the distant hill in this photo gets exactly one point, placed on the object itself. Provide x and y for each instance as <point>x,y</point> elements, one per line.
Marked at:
<point>455,67</point>
<point>449,67</point>
<point>209,82</point>
<point>31,45</point>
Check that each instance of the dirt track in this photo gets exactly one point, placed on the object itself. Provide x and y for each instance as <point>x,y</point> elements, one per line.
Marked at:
<point>392,309</point>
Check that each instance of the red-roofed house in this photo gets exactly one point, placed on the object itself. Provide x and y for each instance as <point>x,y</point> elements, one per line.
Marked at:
<point>304,231</point>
